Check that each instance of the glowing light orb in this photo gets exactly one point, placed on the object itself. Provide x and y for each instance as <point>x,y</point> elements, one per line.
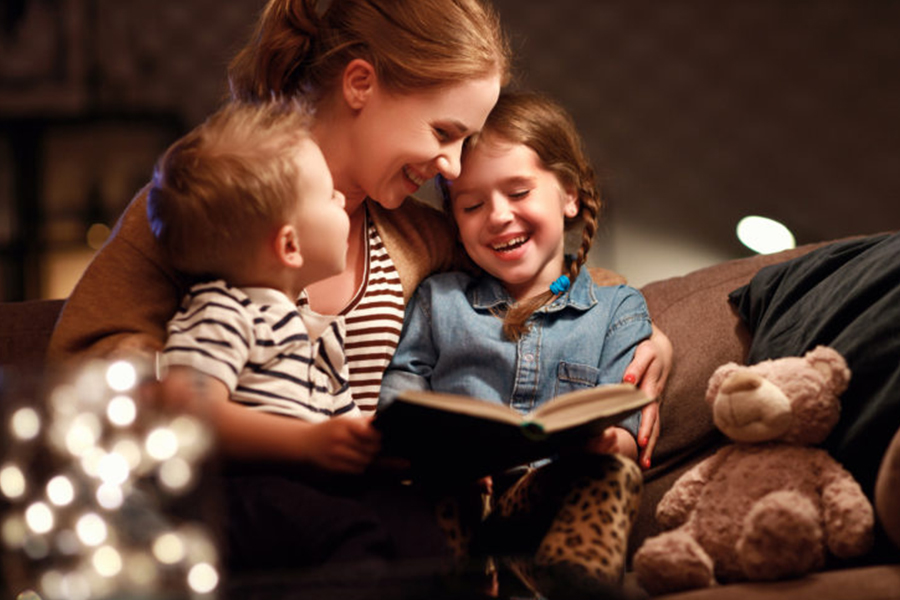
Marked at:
<point>91,529</point>
<point>121,376</point>
<point>110,496</point>
<point>168,548</point>
<point>764,235</point>
<point>12,481</point>
<point>161,444</point>
<point>39,517</point>
<point>113,468</point>
<point>60,490</point>
<point>107,561</point>
<point>121,411</point>
<point>203,578</point>
<point>25,424</point>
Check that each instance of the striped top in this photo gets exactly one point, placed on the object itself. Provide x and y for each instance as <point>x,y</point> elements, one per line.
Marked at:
<point>373,318</point>
<point>272,355</point>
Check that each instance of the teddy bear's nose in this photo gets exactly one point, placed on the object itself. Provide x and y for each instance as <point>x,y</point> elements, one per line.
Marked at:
<point>749,408</point>
<point>741,382</point>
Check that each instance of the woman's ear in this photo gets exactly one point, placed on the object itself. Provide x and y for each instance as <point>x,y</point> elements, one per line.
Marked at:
<point>287,247</point>
<point>358,82</point>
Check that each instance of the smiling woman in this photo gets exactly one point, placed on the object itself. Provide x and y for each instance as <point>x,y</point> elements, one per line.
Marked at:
<point>397,86</point>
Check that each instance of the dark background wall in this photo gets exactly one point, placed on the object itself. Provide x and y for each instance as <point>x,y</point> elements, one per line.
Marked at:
<point>698,113</point>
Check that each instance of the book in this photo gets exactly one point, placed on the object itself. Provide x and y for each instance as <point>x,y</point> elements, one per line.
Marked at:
<point>447,435</point>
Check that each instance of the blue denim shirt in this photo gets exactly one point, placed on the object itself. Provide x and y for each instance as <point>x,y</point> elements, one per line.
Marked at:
<point>453,342</point>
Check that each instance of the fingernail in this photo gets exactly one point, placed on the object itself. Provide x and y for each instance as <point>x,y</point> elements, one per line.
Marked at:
<point>629,378</point>
<point>646,463</point>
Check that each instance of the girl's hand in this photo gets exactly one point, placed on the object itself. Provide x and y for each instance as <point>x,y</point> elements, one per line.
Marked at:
<point>342,444</point>
<point>649,370</point>
<point>614,440</point>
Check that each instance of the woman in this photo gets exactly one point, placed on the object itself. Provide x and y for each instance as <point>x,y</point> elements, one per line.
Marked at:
<point>397,88</point>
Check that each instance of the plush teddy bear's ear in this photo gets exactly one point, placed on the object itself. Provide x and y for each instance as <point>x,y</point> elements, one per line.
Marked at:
<point>831,365</point>
<point>716,379</point>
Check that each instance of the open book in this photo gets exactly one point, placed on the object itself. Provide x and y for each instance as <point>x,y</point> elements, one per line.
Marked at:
<point>448,435</point>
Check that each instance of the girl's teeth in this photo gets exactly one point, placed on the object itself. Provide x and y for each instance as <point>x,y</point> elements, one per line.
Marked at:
<point>510,244</point>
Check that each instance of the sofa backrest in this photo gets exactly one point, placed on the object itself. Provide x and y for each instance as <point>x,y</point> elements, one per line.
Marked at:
<point>25,329</point>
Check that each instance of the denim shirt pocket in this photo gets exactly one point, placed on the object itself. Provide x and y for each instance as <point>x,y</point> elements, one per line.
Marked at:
<point>573,376</point>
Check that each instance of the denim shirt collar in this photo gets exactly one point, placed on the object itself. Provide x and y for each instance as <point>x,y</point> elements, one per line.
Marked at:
<point>487,292</point>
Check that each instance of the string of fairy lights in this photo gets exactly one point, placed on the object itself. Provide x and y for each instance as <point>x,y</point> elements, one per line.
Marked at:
<point>85,482</point>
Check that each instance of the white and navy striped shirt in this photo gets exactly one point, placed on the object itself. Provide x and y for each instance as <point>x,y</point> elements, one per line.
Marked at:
<point>374,319</point>
<point>272,355</point>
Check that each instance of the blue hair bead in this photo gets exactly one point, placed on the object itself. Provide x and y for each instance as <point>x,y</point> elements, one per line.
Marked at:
<point>560,285</point>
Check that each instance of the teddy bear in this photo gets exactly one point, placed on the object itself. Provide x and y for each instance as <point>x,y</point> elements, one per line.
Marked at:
<point>769,505</point>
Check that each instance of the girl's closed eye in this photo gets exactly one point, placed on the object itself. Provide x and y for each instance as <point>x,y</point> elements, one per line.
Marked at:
<point>518,194</point>
<point>472,207</point>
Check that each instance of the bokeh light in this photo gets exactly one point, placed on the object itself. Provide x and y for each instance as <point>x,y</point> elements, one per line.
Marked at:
<point>60,490</point>
<point>121,376</point>
<point>764,235</point>
<point>39,517</point>
<point>85,485</point>
<point>203,578</point>
<point>25,424</point>
<point>91,529</point>
<point>12,481</point>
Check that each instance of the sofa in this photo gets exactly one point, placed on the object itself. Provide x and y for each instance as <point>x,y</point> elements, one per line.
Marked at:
<point>705,331</point>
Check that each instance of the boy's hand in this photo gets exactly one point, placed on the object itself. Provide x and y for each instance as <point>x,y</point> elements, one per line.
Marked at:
<point>342,445</point>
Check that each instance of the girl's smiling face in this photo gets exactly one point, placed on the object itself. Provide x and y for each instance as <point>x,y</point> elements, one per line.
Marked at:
<point>511,214</point>
<point>403,140</point>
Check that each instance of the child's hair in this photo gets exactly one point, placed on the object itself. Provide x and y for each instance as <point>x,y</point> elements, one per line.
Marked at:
<point>547,128</point>
<point>412,44</point>
<point>227,184</point>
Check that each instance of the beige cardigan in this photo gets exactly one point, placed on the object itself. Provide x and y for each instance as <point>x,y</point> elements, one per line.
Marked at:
<point>129,291</point>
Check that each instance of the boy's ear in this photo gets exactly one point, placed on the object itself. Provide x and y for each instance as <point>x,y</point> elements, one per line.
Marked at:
<point>287,247</point>
<point>358,82</point>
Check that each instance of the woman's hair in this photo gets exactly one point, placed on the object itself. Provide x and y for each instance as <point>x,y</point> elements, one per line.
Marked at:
<point>412,45</point>
<point>547,128</point>
<point>225,185</point>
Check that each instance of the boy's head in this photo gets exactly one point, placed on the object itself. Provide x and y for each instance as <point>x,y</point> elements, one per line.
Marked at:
<point>224,193</point>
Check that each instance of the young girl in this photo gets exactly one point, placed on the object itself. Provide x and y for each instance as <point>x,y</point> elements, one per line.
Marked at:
<point>532,324</point>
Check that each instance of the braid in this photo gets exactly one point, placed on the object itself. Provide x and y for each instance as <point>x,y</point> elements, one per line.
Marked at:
<point>591,203</point>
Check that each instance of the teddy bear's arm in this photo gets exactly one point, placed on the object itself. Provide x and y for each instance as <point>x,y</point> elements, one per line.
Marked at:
<point>678,502</point>
<point>848,514</point>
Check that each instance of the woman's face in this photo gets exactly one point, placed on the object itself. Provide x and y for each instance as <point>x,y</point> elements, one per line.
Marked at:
<point>399,141</point>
